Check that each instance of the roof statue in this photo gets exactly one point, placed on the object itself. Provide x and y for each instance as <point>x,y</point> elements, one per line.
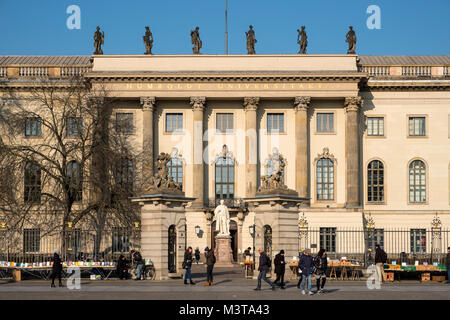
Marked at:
<point>195,39</point>
<point>99,39</point>
<point>302,40</point>
<point>351,40</point>
<point>148,40</point>
<point>250,35</point>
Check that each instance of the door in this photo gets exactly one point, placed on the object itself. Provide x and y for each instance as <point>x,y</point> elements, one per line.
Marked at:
<point>172,249</point>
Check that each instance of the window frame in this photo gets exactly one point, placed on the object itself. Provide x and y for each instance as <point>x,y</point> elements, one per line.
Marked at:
<point>35,240</point>
<point>177,167</point>
<point>372,116</point>
<point>280,114</point>
<point>409,180</point>
<point>29,121</point>
<point>410,116</point>
<point>229,165</point>
<point>79,127</point>
<point>413,233</point>
<point>324,234</point>
<point>328,183</point>
<point>131,129</point>
<point>29,186</point>
<point>227,130</point>
<point>325,112</point>
<point>172,113</point>
<point>367,186</point>
<point>79,190</point>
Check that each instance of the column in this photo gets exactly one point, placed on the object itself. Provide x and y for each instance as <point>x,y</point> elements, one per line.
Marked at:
<point>198,107</point>
<point>148,107</point>
<point>301,105</point>
<point>352,105</point>
<point>251,145</point>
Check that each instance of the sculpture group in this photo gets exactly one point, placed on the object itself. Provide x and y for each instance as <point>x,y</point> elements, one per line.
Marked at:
<point>302,40</point>
<point>161,181</point>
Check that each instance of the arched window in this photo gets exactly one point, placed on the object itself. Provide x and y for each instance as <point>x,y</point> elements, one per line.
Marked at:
<point>224,178</point>
<point>417,181</point>
<point>32,183</point>
<point>74,179</point>
<point>325,179</point>
<point>175,167</point>
<point>375,181</point>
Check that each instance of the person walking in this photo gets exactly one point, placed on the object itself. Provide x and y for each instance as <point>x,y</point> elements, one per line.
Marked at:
<point>299,271</point>
<point>380,260</point>
<point>56,268</point>
<point>210,261</point>
<point>140,264</point>
<point>122,267</point>
<point>320,272</point>
<point>280,268</point>
<point>264,266</point>
<point>187,264</point>
<point>447,262</point>
<point>306,265</point>
<point>197,255</point>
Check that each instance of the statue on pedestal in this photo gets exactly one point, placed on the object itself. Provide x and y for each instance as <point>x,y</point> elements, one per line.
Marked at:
<point>148,41</point>
<point>99,40</point>
<point>302,40</point>
<point>195,39</point>
<point>250,35</point>
<point>223,219</point>
<point>351,40</point>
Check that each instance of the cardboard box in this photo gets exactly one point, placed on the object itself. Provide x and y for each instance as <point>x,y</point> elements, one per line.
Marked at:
<point>425,277</point>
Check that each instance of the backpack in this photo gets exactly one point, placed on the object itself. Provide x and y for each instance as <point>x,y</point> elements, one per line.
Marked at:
<point>383,256</point>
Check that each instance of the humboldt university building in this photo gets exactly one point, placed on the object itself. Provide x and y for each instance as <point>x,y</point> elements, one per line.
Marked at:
<point>365,143</point>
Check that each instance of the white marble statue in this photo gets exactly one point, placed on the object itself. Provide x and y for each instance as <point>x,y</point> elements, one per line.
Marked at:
<point>222,219</point>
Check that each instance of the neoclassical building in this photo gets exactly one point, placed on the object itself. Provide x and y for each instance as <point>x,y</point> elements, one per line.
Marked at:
<point>366,140</point>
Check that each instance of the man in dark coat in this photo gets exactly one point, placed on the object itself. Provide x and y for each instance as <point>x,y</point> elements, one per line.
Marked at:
<point>380,260</point>
<point>447,262</point>
<point>140,264</point>
<point>56,268</point>
<point>280,268</point>
<point>264,266</point>
<point>306,265</point>
<point>210,261</point>
<point>122,267</point>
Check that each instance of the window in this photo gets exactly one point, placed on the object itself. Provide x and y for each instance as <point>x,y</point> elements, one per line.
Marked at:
<point>33,127</point>
<point>174,122</point>
<point>325,122</point>
<point>31,240</point>
<point>325,179</point>
<point>73,241</point>
<point>275,122</point>
<point>375,126</point>
<point>124,123</point>
<point>74,126</point>
<point>125,174</point>
<point>120,240</point>
<point>376,237</point>
<point>328,239</point>
<point>224,178</point>
<point>74,179</point>
<point>417,126</point>
<point>375,181</point>
<point>418,241</point>
<point>224,122</point>
<point>417,181</point>
<point>175,167</point>
<point>32,183</point>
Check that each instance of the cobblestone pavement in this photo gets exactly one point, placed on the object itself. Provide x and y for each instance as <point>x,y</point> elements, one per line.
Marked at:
<point>229,284</point>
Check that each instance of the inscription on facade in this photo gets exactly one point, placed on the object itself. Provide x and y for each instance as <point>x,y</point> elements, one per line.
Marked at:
<point>225,86</point>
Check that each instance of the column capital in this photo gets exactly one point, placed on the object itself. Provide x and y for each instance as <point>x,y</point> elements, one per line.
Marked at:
<point>352,103</point>
<point>251,103</point>
<point>302,103</point>
<point>148,103</point>
<point>198,103</point>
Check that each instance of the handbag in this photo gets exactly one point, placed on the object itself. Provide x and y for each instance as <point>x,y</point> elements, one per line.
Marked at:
<point>183,265</point>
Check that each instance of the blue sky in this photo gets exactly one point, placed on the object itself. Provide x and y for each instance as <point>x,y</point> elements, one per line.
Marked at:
<point>38,27</point>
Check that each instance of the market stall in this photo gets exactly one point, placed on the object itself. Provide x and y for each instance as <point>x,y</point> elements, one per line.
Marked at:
<point>422,272</point>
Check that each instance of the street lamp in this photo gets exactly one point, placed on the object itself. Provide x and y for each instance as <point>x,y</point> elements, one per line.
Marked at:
<point>252,233</point>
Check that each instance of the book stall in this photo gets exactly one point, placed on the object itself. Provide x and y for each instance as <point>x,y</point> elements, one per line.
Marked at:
<point>423,272</point>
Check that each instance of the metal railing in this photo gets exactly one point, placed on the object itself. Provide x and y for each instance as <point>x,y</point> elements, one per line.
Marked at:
<point>229,202</point>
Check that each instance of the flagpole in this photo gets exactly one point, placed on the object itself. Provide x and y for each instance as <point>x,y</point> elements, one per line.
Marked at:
<point>226,27</point>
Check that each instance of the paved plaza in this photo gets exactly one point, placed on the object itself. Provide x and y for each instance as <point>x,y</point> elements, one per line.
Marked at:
<point>229,285</point>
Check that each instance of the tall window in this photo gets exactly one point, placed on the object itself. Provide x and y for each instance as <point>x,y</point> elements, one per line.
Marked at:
<point>74,179</point>
<point>275,122</point>
<point>325,122</point>
<point>376,237</point>
<point>124,122</point>
<point>325,179</point>
<point>31,240</point>
<point>174,122</point>
<point>418,241</point>
<point>175,167</point>
<point>375,126</point>
<point>73,240</point>
<point>33,127</point>
<point>328,239</point>
<point>224,178</point>
<point>224,122</point>
<point>416,126</point>
<point>125,174</point>
<point>120,240</point>
<point>417,181</point>
<point>375,181</point>
<point>32,183</point>
<point>74,126</point>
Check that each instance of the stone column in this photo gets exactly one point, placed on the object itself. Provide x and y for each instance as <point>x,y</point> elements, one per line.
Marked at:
<point>148,107</point>
<point>251,145</point>
<point>198,107</point>
<point>301,105</point>
<point>352,105</point>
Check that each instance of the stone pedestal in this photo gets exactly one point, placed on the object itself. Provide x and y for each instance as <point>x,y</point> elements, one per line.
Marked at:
<point>224,255</point>
<point>158,213</point>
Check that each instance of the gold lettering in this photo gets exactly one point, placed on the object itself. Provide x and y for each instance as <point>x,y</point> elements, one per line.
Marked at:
<point>275,85</point>
<point>310,86</point>
<point>230,86</point>
<point>159,86</point>
<point>292,85</point>
<point>199,85</point>
<point>247,86</point>
<point>139,86</point>
<point>256,86</point>
<point>179,86</point>
<point>169,86</point>
<point>189,86</point>
<point>320,86</point>
<point>149,85</point>
<point>129,86</point>
<point>301,86</point>
<point>266,86</point>
<point>220,85</point>
<point>239,85</point>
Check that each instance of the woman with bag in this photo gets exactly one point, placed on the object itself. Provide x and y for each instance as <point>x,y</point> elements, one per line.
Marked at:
<point>187,264</point>
<point>320,264</point>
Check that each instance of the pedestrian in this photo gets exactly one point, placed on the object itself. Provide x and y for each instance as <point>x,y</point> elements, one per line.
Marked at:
<point>140,264</point>
<point>210,261</point>
<point>447,262</point>
<point>320,272</point>
<point>306,265</point>
<point>187,264</point>
<point>264,265</point>
<point>380,260</point>
<point>56,268</point>
<point>280,268</point>
<point>197,255</point>
<point>122,267</point>
<point>247,253</point>
<point>299,271</point>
